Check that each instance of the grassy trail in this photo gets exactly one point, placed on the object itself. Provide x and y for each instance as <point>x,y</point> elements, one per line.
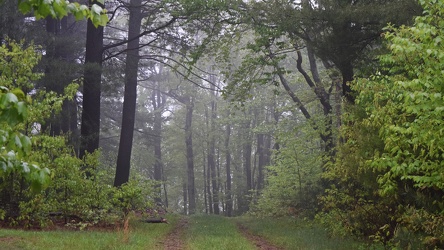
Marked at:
<point>189,233</point>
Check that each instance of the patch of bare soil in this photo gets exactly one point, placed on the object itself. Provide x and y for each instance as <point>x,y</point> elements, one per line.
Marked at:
<point>174,240</point>
<point>258,241</point>
<point>9,239</point>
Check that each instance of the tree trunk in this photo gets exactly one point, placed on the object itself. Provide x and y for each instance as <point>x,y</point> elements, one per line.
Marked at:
<point>229,201</point>
<point>347,76</point>
<point>185,198</point>
<point>208,188</point>
<point>158,101</point>
<point>91,88</point>
<point>190,155</point>
<point>261,151</point>
<point>130,96</point>
<point>211,160</point>
<point>247,149</point>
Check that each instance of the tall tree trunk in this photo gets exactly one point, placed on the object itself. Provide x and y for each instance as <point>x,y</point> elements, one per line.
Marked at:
<point>211,160</point>
<point>130,96</point>
<point>92,88</point>
<point>208,188</point>
<point>261,151</point>
<point>190,155</point>
<point>247,149</point>
<point>243,200</point>
<point>158,101</point>
<point>229,199</point>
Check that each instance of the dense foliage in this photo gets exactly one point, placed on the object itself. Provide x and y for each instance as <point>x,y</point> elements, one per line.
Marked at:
<point>391,166</point>
<point>60,189</point>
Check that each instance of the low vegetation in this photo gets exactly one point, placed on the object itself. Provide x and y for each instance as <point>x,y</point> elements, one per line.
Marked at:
<point>214,232</point>
<point>137,235</point>
<point>201,233</point>
<point>290,233</point>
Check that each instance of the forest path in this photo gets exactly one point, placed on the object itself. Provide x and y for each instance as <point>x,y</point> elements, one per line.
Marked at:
<point>235,238</point>
<point>175,239</point>
<point>257,240</point>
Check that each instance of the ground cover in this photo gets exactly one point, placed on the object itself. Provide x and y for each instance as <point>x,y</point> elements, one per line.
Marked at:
<point>139,235</point>
<point>290,233</point>
<point>215,232</point>
<point>198,232</point>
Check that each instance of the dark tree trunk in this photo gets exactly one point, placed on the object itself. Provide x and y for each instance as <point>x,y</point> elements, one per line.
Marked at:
<point>190,155</point>
<point>347,76</point>
<point>91,88</point>
<point>247,149</point>
<point>130,96</point>
<point>261,151</point>
<point>229,199</point>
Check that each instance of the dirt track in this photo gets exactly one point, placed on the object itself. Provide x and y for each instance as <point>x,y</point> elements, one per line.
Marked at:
<point>175,239</point>
<point>258,241</point>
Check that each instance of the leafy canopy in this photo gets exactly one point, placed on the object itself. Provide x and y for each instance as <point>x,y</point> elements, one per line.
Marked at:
<point>61,8</point>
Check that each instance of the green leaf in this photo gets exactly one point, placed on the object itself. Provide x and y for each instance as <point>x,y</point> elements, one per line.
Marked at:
<point>25,7</point>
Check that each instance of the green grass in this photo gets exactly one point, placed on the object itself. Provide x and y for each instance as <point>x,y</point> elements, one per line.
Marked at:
<point>214,232</point>
<point>141,236</point>
<point>295,234</point>
<point>203,232</point>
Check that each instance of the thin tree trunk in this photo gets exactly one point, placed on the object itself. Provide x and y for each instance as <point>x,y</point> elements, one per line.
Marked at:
<point>229,201</point>
<point>205,184</point>
<point>190,155</point>
<point>185,198</point>
<point>247,149</point>
<point>130,96</point>
<point>261,161</point>
<point>158,101</point>
<point>208,189</point>
<point>211,160</point>
<point>209,169</point>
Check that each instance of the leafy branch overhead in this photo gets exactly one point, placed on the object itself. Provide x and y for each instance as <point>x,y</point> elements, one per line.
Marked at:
<point>61,8</point>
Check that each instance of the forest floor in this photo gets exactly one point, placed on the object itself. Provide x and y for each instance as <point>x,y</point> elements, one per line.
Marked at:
<point>175,239</point>
<point>197,232</point>
<point>257,240</point>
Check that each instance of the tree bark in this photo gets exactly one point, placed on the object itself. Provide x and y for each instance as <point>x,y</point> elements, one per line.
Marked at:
<point>247,149</point>
<point>158,101</point>
<point>261,161</point>
<point>190,155</point>
<point>185,198</point>
<point>211,160</point>
<point>130,96</point>
<point>90,127</point>
<point>229,201</point>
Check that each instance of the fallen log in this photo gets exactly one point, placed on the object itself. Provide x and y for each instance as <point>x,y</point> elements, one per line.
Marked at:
<point>155,220</point>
